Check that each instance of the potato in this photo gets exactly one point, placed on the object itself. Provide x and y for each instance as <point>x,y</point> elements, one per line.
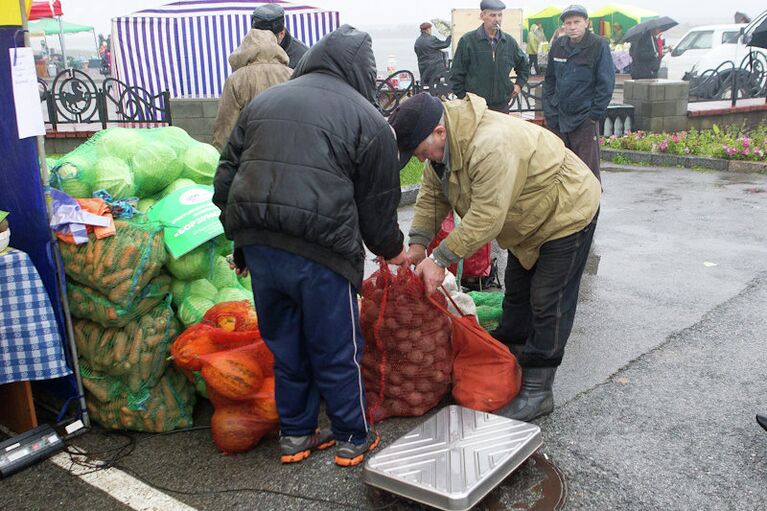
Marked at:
<point>439,377</point>
<point>428,360</point>
<point>405,347</point>
<point>395,378</point>
<point>440,354</point>
<point>408,386</point>
<point>423,385</point>
<point>410,370</point>
<point>414,398</point>
<point>415,356</point>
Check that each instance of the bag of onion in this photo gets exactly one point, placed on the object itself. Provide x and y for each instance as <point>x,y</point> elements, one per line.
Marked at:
<point>407,360</point>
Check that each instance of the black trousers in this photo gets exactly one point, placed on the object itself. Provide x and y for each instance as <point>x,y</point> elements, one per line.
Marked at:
<point>584,142</point>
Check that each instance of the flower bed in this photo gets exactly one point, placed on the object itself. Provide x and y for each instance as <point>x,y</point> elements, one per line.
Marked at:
<point>732,143</point>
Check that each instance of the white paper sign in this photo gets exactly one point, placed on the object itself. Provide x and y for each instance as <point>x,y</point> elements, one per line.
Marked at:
<point>26,98</point>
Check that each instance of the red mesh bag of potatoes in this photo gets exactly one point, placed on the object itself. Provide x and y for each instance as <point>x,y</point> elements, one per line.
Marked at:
<point>407,360</point>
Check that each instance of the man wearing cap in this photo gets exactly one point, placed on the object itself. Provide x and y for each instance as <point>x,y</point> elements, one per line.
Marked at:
<point>517,183</point>
<point>272,17</point>
<point>258,63</point>
<point>484,59</point>
<point>308,178</point>
<point>579,83</point>
<point>432,61</point>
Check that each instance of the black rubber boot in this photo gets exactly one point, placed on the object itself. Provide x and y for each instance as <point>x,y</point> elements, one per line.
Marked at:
<point>762,420</point>
<point>535,399</point>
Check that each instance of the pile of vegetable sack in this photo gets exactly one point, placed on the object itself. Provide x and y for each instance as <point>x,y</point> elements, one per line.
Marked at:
<point>407,361</point>
<point>226,350</point>
<point>119,295</point>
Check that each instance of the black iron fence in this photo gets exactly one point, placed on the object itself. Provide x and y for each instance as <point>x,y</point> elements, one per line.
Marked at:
<point>73,97</point>
<point>730,81</point>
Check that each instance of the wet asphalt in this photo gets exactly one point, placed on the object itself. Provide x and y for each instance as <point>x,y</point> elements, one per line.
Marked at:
<point>655,399</point>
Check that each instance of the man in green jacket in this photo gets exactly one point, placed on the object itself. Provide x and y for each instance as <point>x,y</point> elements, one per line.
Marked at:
<point>517,183</point>
<point>484,59</point>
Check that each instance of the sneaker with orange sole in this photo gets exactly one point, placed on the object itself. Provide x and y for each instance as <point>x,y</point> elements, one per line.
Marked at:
<point>349,454</point>
<point>297,448</point>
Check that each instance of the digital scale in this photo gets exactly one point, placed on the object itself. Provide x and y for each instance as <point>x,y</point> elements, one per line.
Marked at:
<point>23,450</point>
<point>454,458</point>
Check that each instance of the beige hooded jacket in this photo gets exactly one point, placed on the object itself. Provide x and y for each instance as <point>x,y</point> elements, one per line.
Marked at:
<point>508,180</point>
<point>258,64</point>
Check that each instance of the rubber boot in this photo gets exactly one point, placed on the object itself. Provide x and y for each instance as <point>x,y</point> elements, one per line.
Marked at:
<point>536,398</point>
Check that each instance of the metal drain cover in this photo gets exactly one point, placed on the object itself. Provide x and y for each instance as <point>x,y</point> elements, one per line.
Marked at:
<point>454,458</point>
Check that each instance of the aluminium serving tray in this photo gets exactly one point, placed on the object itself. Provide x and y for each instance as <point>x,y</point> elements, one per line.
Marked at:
<point>454,458</point>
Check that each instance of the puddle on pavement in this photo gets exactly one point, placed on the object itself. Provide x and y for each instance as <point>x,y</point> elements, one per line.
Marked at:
<point>537,485</point>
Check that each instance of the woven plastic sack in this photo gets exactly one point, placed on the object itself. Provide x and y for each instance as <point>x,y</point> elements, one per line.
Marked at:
<point>86,303</point>
<point>118,266</point>
<point>476,265</point>
<point>164,407</point>
<point>407,360</point>
<point>489,307</point>
<point>486,376</point>
<point>137,353</point>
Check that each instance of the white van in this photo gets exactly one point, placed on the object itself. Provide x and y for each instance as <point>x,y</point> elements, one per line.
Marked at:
<point>694,45</point>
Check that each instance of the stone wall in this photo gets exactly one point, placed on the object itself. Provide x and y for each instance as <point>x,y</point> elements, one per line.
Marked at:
<point>659,105</point>
<point>195,116</point>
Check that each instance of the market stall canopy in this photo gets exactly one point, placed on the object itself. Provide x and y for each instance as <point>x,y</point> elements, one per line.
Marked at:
<point>635,32</point>
<point>49,26</point>
<point>549,18</point>
<point>603,19</point>
<point>45,9</point>
<point>183,47</point>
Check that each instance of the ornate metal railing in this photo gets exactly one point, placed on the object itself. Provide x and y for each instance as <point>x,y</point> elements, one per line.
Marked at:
<point>74,98</point>
<point>730,81</point>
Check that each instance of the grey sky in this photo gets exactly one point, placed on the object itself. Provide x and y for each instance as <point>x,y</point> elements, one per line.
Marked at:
<point>363,14</point>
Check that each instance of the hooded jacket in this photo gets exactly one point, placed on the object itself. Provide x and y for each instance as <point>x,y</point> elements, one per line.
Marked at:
<point>312,166</point>
<point>509,180</point>
<point>258,63</point>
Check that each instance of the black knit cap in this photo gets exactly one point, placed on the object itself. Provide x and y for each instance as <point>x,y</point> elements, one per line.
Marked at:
<point>268,17</point>
<point>413,121</point>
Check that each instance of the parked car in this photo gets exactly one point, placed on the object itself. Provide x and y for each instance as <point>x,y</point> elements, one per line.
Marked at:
<point>695,44</point>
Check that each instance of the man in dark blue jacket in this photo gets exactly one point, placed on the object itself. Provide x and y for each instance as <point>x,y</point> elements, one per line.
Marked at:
<point>579,83</point>
<point>309,174</point>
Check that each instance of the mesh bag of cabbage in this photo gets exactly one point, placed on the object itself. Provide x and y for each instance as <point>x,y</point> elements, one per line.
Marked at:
<point>407,359</point>
<point>136,354</point>
<point>86,303</point>
<point>163,407</point>
<point>119,266</point>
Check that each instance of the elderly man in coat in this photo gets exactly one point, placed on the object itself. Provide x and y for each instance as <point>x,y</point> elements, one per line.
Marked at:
<point>432,61</point>
<point>517,183</point>
<point>258,63</point>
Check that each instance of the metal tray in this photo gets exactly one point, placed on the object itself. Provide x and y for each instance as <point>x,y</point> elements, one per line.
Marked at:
<point>454,458</point>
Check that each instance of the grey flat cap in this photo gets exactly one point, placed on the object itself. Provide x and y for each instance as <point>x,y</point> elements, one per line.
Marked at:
<point>492,5</point>
<point>574,10</point>
<point>268,17</point>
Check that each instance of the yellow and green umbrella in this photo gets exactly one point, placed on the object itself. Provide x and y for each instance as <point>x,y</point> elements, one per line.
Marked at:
<point>602,19</point>
<point>549,18</point>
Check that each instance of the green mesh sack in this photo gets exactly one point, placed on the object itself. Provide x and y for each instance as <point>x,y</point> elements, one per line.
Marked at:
<point>73,174</point>
<point>137,354</point>
<point>489,307</point>
<point>182,289</point>
<point>120,266</point>
<point>175,137</point>
<point>113,175</point>
<point>200,163</point>
<point>193,265</point>
<point>200,386</point>
<point>164,407</point>
<point>245,282</point>
<point>192,309</point>
<point>86,303</point>
<point>232,294</point>
<point>155,166</point>
<point>178,184</point>
<point>121,143</point>
<point>223,276</point>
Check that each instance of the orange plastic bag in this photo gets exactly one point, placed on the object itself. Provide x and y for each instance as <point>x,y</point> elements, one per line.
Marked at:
<point>486,375</point>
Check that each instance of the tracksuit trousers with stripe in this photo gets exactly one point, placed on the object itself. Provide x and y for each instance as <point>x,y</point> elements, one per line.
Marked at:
<point>309,318</point>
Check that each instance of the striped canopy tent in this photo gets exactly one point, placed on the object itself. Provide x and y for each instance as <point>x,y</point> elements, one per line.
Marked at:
<point>183,47</point>
<point>602,19</point>
<point>549,18</point>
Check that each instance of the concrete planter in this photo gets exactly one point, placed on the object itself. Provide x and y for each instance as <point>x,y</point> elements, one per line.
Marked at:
<point>673,160</point>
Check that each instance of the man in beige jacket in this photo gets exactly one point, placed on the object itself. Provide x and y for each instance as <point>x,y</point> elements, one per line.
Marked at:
<point>258,64</point>
<point>514,182</point>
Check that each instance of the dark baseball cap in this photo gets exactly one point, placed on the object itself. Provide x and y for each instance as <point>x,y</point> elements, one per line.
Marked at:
<point>574,10</point>
<point>268,17</point>
<point>413,121</point>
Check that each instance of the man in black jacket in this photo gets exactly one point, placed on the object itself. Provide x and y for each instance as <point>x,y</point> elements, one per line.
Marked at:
<point>484,59</point>
<point>579,83</point>
<point>311,172</point>
<point>432,61</point>
<point>645,58</point>
<point>272,17</point>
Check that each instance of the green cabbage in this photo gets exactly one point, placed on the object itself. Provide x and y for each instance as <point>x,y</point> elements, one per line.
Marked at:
<point>178,184</point>
<point>155,166</point>
<point>232,294</point>
<point>144,204</point>
<point>193,265</point>
<point>75,188</point>
<point>114,176</point>
<point>223,275</point>
<point>183,289</point>
<point>121,143</point>
<point>200,163</point>
<point>245,282</point>
<point>175,137</point>
<point>192,309</point>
